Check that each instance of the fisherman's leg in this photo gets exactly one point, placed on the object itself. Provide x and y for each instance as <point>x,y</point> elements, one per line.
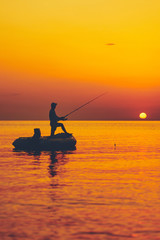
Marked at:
<point>62,126</point>
<point>53,129</point>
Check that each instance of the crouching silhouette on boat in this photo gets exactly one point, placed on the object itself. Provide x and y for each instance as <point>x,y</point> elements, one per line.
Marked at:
<point>54,120</point>
<point>61,141</point>
<point>53,142</point>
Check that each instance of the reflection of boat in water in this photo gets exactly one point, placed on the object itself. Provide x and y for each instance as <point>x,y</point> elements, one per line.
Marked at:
<point>58,142</point>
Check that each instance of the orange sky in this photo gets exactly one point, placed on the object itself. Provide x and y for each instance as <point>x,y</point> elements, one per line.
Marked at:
<point>60,51</point>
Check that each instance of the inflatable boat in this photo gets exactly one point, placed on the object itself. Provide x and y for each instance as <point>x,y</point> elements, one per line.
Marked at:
<point>59,141</point>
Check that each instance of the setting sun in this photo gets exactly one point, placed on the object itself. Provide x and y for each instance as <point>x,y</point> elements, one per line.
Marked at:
<point>142,115</point>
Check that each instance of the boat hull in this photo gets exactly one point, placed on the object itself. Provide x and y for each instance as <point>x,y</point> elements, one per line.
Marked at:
<point>58,142</point>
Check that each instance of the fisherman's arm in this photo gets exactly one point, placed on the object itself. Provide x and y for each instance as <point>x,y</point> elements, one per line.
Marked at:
<point>62,118</point>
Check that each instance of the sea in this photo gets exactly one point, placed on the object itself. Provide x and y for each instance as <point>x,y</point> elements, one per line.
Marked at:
<point>107,188</point>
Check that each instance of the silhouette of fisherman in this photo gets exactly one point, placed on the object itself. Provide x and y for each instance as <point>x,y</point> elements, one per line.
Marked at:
<point>54,120</point>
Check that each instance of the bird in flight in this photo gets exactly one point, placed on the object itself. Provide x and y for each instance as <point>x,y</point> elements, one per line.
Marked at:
<point>110,44</point>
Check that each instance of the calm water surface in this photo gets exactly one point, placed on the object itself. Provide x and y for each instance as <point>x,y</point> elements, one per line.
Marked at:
<point>108,188</point>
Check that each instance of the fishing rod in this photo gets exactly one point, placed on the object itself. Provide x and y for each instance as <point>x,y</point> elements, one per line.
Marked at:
<point>85,104</point>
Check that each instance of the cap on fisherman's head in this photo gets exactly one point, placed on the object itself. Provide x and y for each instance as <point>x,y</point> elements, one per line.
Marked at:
<point>53,104</point>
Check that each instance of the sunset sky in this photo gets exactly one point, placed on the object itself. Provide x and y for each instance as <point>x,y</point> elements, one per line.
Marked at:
<point>71,51</point>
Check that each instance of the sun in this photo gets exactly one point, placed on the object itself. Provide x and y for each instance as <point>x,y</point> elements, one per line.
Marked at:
<point>142,115</point>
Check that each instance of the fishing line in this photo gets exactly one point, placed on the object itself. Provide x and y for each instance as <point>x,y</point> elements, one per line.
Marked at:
<point>85,104</point>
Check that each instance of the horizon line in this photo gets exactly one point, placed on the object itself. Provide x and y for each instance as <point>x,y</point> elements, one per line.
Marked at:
<point>141,120</point>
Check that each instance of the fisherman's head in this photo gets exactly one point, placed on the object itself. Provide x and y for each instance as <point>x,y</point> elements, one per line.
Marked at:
<point>53,105</point>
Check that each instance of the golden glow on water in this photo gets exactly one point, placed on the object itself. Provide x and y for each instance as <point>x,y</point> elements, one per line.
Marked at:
<point>107,188</point>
